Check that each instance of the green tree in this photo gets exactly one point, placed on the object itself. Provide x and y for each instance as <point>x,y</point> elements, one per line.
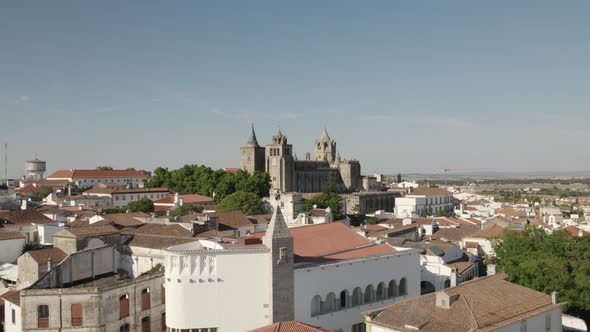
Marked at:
<point>104,168</point>
<point>183,210</point>
<point>247,202</point>
<point>323,201</point>
<point>41,193</point>
<point>549,262</point>
<point>142,205</point>
<point>399,177</point>
<point>196,179</point>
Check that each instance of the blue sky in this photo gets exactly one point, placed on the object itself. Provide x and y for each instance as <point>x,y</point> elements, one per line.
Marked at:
<point>403,86</point>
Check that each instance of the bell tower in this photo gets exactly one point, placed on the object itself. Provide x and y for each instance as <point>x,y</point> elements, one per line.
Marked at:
<point>280,163</point>
<point>280,242</point>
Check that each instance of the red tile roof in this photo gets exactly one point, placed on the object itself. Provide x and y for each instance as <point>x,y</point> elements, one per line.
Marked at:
<point>331,241</point>
<point>424,191</point>
<point>192,198</point>
<point>289,326</point>
<point>41,256</point>
<point>489,233</point>
<point>12,297</point>
<point>484,304</point>
<point>7,235</point>
<point>24,217</point>
<point>94,173</point>
<point>575,231</point>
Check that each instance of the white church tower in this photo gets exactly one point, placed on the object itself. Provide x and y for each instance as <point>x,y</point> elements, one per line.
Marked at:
<point>280,242</point>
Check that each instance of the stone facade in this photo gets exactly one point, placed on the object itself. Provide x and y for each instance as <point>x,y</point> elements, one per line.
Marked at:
<point>100,306</point>
<point>289,174</point>
<point>369,202</point>
<point>280,242</point>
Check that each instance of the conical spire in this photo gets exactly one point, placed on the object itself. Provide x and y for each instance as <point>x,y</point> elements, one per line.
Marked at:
<point>325,137</point>
<point>277,227</point>
<point>252,141</point>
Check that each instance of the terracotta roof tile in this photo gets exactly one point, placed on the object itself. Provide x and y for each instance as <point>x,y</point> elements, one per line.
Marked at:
<point>482,304</point>
<point>575,231</point>
<point>289,326</point>
<point>24,217</point>
<point>193,198</point>
<point>331,241</point>
<point>231,219</point>
<point>41,256</point>
<point>160,230</point>
<point>94,173</point>
<point>7,235</point>
<point>424,191</point>
<point>86,231</point>
<point>157,242</point>
<point>12,297</point>
<point>495,231</point>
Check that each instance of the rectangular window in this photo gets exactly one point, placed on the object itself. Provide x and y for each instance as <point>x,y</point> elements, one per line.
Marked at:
<point>523,326</point>
<point>77,314</point>
<point>548,323</point>
<point>124,306</point>
<point>43,316</point>
<point>163,295</point>
<point>145,299</point>
<point>163,321</point>
<point>13,317</point>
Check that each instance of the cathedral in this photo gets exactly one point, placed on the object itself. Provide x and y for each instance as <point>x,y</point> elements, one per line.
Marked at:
<point>288,174</point>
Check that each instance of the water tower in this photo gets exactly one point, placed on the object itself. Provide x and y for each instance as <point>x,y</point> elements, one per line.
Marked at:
<point>35,168</point>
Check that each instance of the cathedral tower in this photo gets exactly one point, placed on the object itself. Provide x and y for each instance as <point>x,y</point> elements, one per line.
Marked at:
<point>280,242</point>
<point>280,163</point>
<point>252,155</point>
<point>325,148</point>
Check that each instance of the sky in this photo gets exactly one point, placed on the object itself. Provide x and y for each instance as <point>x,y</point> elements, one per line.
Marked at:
<point>403,86</point>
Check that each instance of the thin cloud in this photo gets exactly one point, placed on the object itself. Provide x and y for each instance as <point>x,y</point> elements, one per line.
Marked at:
<point>23,99</point>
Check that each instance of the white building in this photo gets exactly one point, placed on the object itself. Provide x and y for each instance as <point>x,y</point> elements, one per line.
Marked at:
<point>121,197</point>
<point>420,201</point>
<point>11,246</point>
<point>330,276</point>
<point>92,177</point>
<point>291,205</point>
<point>485,304</point>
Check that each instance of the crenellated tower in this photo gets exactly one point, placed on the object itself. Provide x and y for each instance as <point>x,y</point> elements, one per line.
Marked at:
<point>280,163</point>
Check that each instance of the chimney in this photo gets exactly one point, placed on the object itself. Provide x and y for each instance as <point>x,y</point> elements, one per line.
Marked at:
<point>406,221</point>
<point>462,207</point>
<point>410,189</point>
<point>444,300</point>
<point>554,297</point>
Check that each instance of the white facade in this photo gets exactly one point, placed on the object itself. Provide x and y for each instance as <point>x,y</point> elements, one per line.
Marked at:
<point>368,275</point>
<point>208,286</point>
<point>291,204</point>
<point>46,232</point>
<point>11,249</point>
<point>12,317</point>
<point>415,205</point>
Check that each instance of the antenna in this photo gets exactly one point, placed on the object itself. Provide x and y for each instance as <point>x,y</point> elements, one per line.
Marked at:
<point>6,163</point>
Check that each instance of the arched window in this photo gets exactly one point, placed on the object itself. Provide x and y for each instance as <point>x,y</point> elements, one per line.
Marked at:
<point>145,324</point>
<point>369,294</point>
<point>403,287</point>
<point>124,306</point>
<point>344,299</point>
<point>316,302</point>
<point>357,297</point>
<point>392,289</point>
<point>380,291</point>
<point>447,283</point>
<point>329,304</point>
<point>124,328</point>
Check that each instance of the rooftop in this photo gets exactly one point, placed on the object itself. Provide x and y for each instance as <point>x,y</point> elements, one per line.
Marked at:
<point>289,326</point>
<point>482,304</point>
<point>94,173</point>
<point>424,191</point>
<point>41,256</point>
